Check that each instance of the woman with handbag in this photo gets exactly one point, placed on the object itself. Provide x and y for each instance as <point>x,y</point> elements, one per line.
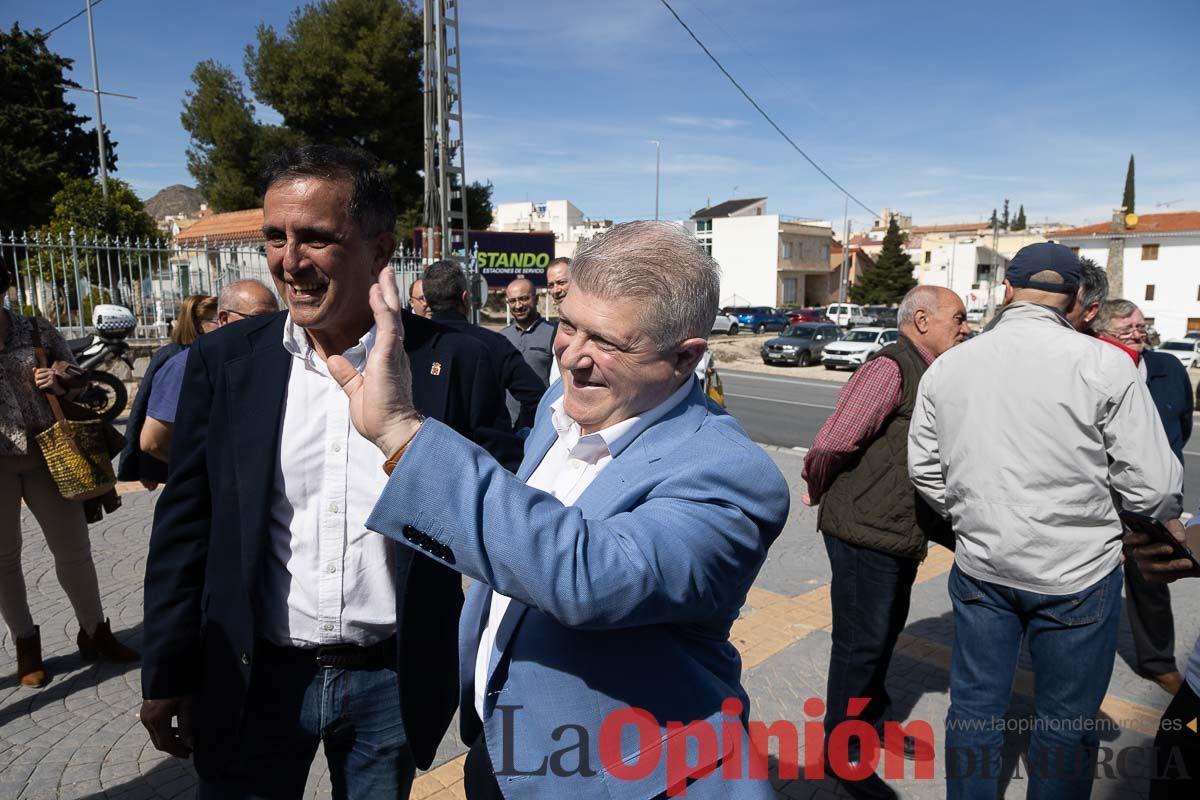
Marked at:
<point>24,475</point>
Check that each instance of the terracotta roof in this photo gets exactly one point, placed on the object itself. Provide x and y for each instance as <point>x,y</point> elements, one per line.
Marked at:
<point>1177,222</point>
<point>726,208</point>
<point>232,226</point>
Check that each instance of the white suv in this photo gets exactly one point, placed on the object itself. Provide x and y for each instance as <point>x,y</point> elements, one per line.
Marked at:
<point>847,315</point>
<point>856,346</point>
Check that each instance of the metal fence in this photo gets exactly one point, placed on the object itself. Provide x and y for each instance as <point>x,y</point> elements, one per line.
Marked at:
<point>63,278</point>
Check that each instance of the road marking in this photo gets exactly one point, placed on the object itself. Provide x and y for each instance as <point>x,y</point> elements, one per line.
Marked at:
<point>837,387</point>
<point>777,400</point>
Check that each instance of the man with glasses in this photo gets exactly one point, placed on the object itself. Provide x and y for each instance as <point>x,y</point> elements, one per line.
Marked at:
<point>239,300</point>
<point>1151,622</point>
<point>529,332</point>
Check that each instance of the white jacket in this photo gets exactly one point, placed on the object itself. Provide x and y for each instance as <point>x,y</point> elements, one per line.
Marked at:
<point>1026,438</point>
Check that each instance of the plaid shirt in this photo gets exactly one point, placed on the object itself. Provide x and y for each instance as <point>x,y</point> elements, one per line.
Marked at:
<point>865,404</point>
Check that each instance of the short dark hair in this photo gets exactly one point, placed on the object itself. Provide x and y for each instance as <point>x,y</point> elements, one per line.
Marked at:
<point>6,277</point>
<point>444,283</point>
<point>1093,282</point>
<point>371,204</point>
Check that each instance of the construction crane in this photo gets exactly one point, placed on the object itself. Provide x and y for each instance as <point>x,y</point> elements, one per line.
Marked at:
<point>446,228</point>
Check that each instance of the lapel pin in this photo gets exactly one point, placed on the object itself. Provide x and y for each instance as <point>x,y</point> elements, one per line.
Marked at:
<point>436,368</point>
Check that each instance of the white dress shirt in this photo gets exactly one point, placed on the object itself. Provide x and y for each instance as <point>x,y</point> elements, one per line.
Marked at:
<point>566,471</point>
<point>328,579</point>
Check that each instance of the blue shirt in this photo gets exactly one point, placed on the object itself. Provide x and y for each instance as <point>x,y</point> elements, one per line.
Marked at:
<point>164,394</point>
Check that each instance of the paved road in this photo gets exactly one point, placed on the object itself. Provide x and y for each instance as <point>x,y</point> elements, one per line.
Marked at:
<point>788,411</point>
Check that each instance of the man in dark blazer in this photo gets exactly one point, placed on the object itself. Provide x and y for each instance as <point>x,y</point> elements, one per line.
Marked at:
<point>445,287</point>
<point>274,622</point>
<point>1151,620</point>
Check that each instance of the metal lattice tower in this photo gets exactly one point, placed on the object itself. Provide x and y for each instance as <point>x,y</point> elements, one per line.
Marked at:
<point>446,229</point>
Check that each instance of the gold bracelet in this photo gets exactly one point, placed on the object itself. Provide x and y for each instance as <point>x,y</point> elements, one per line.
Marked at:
<point>390,464</point>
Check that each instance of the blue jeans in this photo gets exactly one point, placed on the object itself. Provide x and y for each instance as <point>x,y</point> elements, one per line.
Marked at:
<point>1073,641</point>
<point>291,709</point>
<point>869,596</point>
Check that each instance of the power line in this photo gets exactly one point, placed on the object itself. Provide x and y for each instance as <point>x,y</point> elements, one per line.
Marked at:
<point>767,116</point>
<point>72,19</point>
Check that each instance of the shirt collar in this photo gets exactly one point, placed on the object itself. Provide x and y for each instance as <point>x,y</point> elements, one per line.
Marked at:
<point>540,319</point>
<point>295,341</point>
<point>594,446</point>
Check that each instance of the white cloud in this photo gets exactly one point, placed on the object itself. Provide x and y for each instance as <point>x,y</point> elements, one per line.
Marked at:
<point>708,123</point>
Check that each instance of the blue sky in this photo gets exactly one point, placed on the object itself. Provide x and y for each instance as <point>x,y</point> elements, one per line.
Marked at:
<point>941,109</point>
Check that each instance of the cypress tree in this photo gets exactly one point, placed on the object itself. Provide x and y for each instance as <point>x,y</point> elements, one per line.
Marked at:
<point>1127,198</point>
<point>891,276</point>
<point>1019,222</point>
<point>1004,219</point>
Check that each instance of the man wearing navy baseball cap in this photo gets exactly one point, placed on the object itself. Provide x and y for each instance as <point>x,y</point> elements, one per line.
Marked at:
<point>1027,439</point>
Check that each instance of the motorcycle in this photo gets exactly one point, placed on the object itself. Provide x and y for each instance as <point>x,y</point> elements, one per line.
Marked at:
<point>103,392</point>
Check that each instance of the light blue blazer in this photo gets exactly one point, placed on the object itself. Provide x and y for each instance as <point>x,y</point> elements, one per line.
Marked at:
<point>625,598</point>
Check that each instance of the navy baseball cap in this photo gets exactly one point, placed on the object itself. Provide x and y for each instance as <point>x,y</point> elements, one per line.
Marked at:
<point>1034,258</point>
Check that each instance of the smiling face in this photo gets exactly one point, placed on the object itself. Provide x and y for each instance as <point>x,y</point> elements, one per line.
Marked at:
<point>522,301</point>
<point>558,281</point>
<point>611,368</point>
<point>319,257</point>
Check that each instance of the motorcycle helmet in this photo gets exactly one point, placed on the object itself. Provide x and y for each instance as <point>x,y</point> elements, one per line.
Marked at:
<point>112,319</point>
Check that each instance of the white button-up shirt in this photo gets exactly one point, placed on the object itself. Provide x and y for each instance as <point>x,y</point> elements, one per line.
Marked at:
<point>328,579</point>
<point>566,471</point>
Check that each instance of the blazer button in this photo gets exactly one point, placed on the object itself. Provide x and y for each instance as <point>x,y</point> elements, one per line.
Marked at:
<point>245,660</point>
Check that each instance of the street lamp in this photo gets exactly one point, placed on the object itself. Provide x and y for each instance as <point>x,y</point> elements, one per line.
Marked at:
<point>657,160</point>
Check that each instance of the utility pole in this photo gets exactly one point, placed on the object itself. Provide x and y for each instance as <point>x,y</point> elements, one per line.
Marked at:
<point>991,300</point>
<point>96,91</point>
<point>445,173</point>
<point>845,247</point>
<point>657,152</point>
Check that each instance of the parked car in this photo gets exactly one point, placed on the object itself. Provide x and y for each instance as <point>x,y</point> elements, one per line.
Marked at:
<point>1183,349</point>
<point>856,346</point>
<point>883,316</point>
<point>975,314</point>
<point>800,345</point>
<point>759,319</point>
<point>847,315</point>
<point>1192,335</point>
<point>725,323</point>
<point>806,315</point>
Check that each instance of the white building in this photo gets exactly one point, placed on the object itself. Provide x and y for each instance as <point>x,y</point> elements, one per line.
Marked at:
<point>1152,259</point>
<point>560,217</point>
<point>765,259</point>
<point>962,263</point>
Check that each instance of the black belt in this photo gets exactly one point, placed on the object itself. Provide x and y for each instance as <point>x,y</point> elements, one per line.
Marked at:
<point>381,655</point>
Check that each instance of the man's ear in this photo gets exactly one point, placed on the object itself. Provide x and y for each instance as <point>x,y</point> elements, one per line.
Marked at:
<point>921,320</point>
<point>384,246</point>
<point>222,317</point>
<point>1008,292</point>
<point>688,354</point>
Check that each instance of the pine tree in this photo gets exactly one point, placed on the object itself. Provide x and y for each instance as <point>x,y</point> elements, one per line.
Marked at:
<point>891,276</point>
<point>994,221</point>
<point>1127,198</point>
<point>1019,222</point>
<point>1004,219</point>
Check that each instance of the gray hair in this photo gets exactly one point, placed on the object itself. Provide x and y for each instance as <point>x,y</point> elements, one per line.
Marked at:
<point>1111,311</point>
<point>659,263</point>
<point>232,291</point>
<point>919,298</point>
<point>1093,283</point>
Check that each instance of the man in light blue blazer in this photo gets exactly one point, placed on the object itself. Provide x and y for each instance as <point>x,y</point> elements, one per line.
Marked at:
<point>594,652</point>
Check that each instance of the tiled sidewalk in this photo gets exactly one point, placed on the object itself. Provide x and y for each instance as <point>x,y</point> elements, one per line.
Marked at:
<point>79,737</point>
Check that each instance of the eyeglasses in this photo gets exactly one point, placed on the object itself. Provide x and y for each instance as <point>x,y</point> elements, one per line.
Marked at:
<point>1128,332</point>
<point>243,314</point>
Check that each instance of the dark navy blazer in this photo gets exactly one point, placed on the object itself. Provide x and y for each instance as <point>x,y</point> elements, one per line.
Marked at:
<point>208,544</point>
